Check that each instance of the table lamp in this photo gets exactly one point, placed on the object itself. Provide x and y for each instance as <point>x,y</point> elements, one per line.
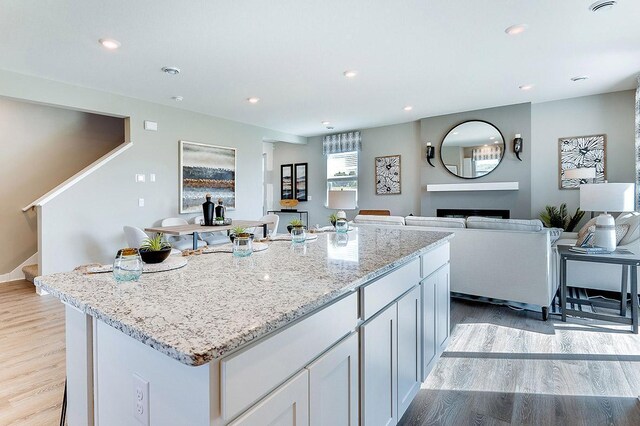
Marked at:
<point>342,200</point>
<point>607,197</point>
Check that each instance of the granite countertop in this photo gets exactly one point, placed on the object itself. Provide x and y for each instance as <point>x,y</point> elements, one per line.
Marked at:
<point>218,302</point>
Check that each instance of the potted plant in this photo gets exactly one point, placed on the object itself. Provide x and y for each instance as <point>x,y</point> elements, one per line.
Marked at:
<point>333,217</point>
<point>219,221</point>
<point>155,250</point>
<point>554,217</point>
<point>295,223</point>
<point>239,231</point>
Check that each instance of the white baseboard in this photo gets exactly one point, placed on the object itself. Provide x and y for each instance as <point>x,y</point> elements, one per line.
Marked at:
<point>17,273</point>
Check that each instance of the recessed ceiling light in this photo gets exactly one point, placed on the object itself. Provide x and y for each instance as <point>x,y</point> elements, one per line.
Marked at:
<point>526,87</point>
<point>602,5</point>
<point>177,98</point>
<point>516,29</point>
<point>253,100</point>
<point>580,78</point>
<point>326,123</point>
<point>350,73</point>
<point>408,108</point>
<point>171,70</point>
<point>109,43</point>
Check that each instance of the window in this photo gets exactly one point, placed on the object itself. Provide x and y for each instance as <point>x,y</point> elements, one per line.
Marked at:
<point>342,172</point>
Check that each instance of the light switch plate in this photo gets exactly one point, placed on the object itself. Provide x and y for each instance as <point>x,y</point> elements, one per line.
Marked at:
<point>140,202</point>
<point>140,178</point>
<point>151,125</point>
<point>152,177</point>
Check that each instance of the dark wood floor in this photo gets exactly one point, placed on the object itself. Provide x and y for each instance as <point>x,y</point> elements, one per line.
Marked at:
<point>508,367</point>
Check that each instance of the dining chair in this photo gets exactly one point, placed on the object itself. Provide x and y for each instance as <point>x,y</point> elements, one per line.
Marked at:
<point>211,238</point>
<point>136,236</point>
<point>181,242</point>
<point>272,226</point>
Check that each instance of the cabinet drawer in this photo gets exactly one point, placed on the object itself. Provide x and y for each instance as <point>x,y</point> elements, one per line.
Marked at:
<point>385,290</point>
<point>433,260</point>
<point>253,372</point>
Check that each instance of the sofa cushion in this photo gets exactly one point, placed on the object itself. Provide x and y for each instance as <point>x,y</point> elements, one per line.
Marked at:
<point>621,231</point>
<point>435,222</point>
<point>478,222</point>
<point>555,234</point>
<point>379,220</point>
<point>633,220</point>
<point>585,229</point>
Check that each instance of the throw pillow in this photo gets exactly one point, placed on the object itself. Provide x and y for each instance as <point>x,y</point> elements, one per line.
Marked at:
<point>621,231</point>
<point>585,229</point>
<point>555,234</point>
<point>633,220</point>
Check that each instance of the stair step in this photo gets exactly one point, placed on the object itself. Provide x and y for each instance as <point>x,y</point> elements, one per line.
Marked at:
<point>30,272</point>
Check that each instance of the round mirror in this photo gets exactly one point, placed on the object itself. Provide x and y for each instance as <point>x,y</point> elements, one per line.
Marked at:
<point>472,149</point>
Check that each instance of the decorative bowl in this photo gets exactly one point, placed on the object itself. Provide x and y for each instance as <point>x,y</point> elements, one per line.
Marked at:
<point>155,256</point>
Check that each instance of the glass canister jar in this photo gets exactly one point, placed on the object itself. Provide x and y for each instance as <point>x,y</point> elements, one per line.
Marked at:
<point>298,234</point>
<point>128,265</point>
<point>242,245</point>
<point>342,225</point>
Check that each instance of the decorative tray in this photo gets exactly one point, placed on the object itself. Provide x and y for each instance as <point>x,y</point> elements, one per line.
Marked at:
<point>171,263</point>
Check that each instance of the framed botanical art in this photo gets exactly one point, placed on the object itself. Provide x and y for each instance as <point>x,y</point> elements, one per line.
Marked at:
<point>301,181</point>
<point>286,182</point>
<point>206,169</point>
<point>582,152</point>
<point>387,172</point>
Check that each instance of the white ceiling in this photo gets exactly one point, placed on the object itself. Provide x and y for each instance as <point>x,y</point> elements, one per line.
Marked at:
<point>439,56</point>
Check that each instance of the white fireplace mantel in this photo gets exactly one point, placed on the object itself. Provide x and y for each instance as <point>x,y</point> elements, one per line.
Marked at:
<point>480,186</point>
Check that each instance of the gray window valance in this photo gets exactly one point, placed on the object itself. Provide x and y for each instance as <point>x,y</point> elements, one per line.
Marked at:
<point>341,142</point>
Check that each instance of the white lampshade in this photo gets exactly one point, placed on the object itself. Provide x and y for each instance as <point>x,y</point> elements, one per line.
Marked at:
<point>607,197</point>
<point>342,200</point>
<point>582,173</point>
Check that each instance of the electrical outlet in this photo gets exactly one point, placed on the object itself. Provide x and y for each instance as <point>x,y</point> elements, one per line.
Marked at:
<point>141,400</point>
<point>309,198</point>
<point>151,125</point>
<point>140,202</point>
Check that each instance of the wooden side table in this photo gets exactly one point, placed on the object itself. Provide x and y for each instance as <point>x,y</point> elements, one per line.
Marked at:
<point>629,281</point>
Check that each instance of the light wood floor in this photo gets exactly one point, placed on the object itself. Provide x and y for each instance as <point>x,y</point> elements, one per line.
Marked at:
<point>508,367</point>
<point>501,367</point>
<point>32,356</point>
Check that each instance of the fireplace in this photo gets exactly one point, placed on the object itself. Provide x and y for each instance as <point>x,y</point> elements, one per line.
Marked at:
<point>465,213</point>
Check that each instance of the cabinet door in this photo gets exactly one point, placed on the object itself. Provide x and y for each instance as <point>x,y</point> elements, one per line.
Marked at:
<point>409,348</point>
<point>378,378</point>
<point>443,300</point>
<point>288,405</point>
<point>429,344</point>
<point>333,386</point>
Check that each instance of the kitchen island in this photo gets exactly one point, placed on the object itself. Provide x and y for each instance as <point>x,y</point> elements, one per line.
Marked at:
<point>333,331</point>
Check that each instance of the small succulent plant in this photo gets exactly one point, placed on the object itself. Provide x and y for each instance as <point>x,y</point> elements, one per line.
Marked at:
<point>295,223</point>
<point>156,243</point>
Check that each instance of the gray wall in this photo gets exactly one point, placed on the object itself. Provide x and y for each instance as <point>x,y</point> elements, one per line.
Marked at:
<point>609,113</point>
<point>84,224</point>
<point>510,120</point>
<point>42,147</point>
<point>402,139</point>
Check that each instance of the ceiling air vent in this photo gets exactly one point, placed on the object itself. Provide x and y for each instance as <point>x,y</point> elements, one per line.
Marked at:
<point>602,5</point>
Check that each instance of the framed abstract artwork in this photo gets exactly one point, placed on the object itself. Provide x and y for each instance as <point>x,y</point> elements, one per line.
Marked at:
<point>286,182</point>
<point>387,172</point>
<point>580,152</point>
<point>206,169</point>
<point>301,181</point>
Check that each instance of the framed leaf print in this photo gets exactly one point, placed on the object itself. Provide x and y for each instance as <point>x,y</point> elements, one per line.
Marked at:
<point>582,152</point>
<point>387,175</point>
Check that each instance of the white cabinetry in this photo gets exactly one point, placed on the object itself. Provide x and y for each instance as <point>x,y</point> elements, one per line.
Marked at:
<point>429,346</point>
<point>379,369</point>
<point>333,386</point>
<point>409,348</point>
<point>443,307</point>
<point>286,406</point>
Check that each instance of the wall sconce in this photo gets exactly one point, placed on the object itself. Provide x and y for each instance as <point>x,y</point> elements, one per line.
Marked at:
<point>431,153</point>
<point>517,145</point>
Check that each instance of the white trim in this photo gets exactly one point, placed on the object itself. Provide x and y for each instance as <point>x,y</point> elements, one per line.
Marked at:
<point>17,273</point>
<point>486,186</point>
<point>79,176</point>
